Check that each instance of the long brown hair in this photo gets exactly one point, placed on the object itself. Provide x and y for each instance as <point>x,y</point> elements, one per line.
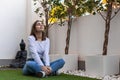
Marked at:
<point>33,30</point>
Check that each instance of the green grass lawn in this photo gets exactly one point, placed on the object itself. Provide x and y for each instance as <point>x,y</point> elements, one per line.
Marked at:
<point>17,75</point>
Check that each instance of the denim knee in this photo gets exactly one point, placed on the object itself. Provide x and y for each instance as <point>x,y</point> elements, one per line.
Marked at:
<point>62,61</point>
<point>28,63</point>
<point>31,64</point>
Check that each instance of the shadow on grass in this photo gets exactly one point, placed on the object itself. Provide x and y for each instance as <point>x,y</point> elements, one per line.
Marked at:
<point>17,75</point>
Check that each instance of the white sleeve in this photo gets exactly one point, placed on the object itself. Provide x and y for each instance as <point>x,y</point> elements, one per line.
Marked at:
<point>46,53</point>
<point>32,50</point>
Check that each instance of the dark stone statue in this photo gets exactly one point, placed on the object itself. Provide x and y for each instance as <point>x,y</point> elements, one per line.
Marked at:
<point>21,56</point>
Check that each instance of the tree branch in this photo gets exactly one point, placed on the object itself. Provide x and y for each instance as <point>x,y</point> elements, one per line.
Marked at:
<point>50,25</point>
<point>102,15</point>
<point>50,21</point>
<point>39,2</point>
<point>115,14</point>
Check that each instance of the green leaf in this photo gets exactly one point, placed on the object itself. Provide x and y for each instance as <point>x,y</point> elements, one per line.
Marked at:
<point>34,0</point>
<point>35,3</point>
<point>94,13</point>
<point>37,10</point>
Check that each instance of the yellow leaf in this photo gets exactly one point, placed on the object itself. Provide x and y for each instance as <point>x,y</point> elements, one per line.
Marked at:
<point>52,20</point>
<point>104,1</point>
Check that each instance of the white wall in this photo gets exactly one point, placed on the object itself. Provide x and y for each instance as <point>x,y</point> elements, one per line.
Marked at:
<point>84,36</point>
<point>90,31</point>
<point>12,27</point>
<point>57,35</point>
<point>87,35</point>
<point>91,35</point>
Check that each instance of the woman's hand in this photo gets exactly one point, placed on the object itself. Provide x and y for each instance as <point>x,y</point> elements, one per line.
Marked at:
<point>49,68</point>
<point>46,69</point>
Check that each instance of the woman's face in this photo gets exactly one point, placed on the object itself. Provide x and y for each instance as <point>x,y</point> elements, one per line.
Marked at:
<point>39,26</point>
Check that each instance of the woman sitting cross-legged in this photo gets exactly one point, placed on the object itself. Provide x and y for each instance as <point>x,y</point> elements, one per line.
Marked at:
<point>38,62</point>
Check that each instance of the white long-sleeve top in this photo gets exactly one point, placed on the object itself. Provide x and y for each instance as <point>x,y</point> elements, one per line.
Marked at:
<point>38,50</point>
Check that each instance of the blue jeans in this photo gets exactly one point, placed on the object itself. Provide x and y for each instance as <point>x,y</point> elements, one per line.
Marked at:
<point>31,67</point>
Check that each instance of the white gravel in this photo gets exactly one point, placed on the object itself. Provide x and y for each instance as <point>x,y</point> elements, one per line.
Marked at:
<point>82,73</point>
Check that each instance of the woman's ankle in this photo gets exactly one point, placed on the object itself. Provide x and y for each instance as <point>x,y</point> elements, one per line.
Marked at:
<point>40,74</point>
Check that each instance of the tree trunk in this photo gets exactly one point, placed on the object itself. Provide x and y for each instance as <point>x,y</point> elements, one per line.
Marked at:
<point>46,22</point>
<point>68,35</point>
<point>106,37</point>
<point>107,29</point>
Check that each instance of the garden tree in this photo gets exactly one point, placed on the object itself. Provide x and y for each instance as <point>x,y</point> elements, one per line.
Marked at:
<point>75,8</point>
<point>43,9</point>
<point>111,8</point>
<point>67,11</point>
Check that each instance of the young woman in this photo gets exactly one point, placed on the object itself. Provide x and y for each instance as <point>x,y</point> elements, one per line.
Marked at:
<point>38,62</point>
